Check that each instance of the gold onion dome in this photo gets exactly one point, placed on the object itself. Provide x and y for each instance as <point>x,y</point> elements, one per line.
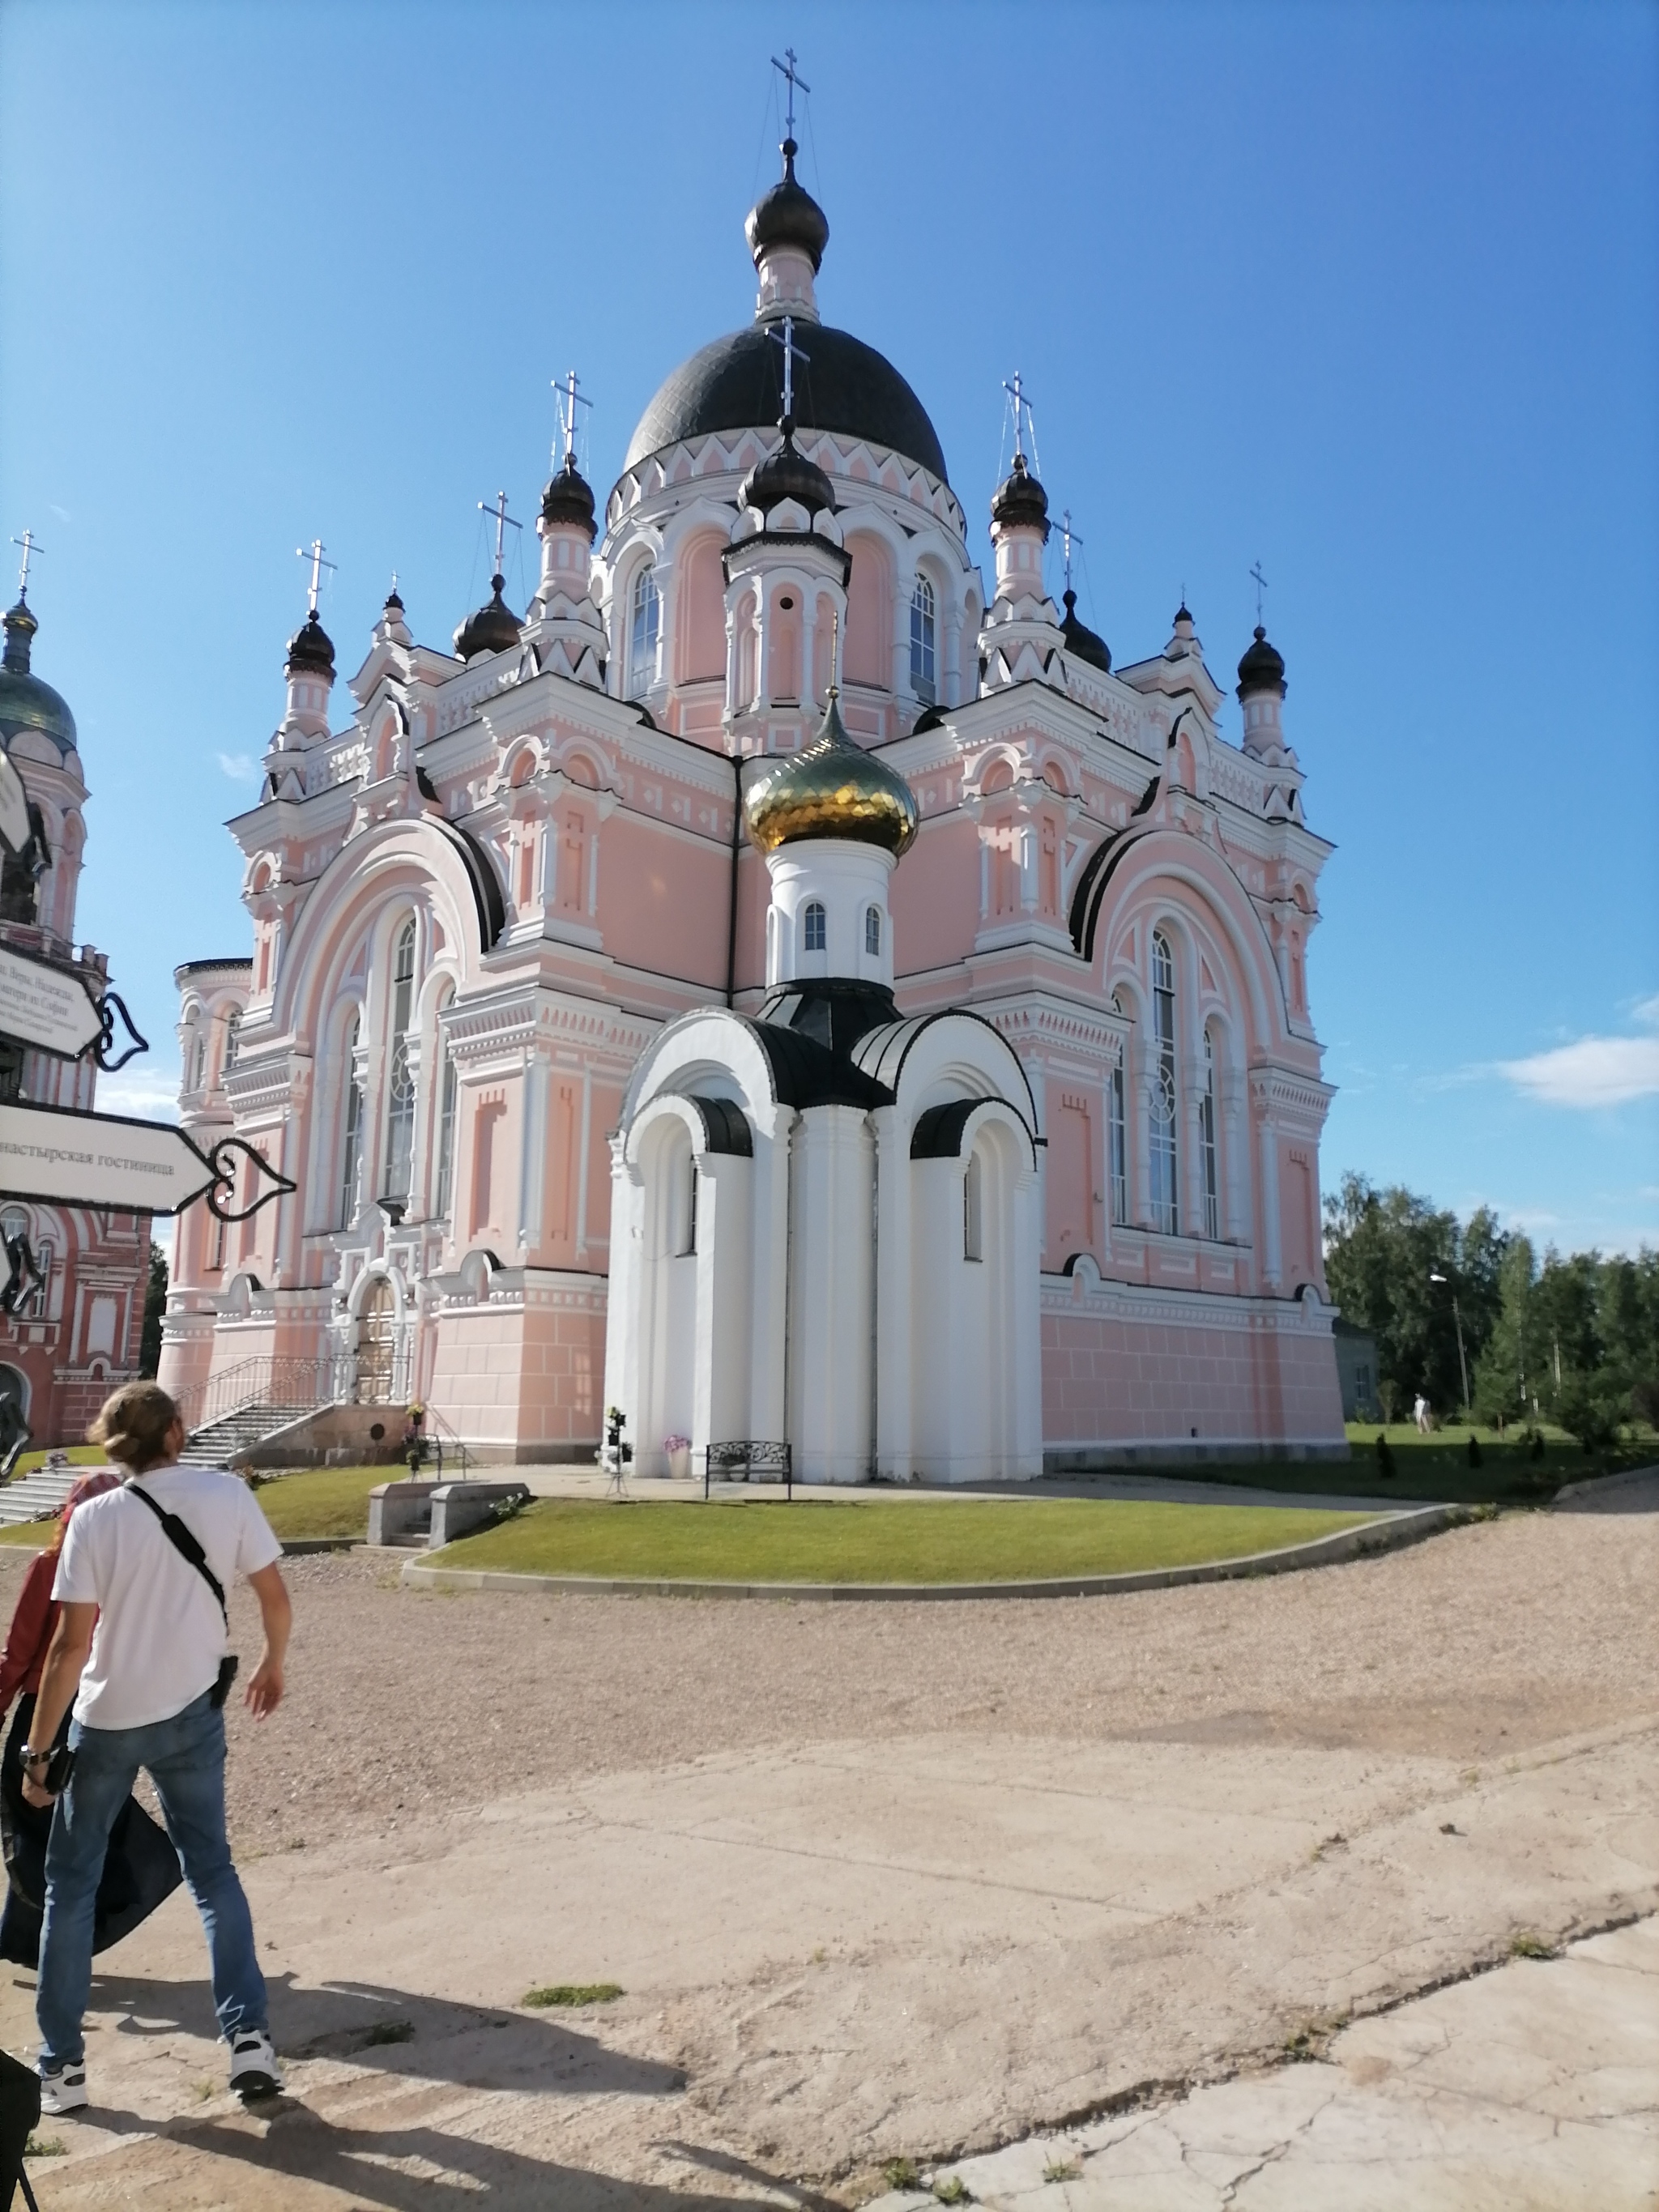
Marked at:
<point>833,789</point>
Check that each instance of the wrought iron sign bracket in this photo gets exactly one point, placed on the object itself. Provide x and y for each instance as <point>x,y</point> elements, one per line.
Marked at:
<point>105,1043</point>
<point>224,1160</point>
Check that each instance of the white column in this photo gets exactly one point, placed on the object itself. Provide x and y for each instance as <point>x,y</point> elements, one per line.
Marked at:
<point>894,1350</point>
<point>831,1290</point>
<point>1269,1248</point>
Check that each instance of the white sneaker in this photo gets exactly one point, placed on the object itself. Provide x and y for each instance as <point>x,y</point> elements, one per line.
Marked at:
<point>66,2091</point>
<point>254,2070</point>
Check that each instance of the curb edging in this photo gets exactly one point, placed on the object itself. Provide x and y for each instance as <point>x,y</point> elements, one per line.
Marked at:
<point>1594,1486</point>
<point>1372,1537</point>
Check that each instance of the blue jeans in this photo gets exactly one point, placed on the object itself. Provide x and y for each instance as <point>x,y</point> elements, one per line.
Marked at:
<point>184,1756</point>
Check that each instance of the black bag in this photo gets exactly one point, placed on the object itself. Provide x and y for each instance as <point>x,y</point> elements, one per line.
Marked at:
<point>19,2115</point>
<point>141,1867</point>
<point>185,1543</point>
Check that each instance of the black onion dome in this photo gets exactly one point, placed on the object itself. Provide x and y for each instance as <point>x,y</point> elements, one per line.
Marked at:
<point>787,474</point>
<point>394,600</point>
<point>492,629</point>
<point>26,701</point>
<point>1020,498</point>
<point>1262,668</point>
<point>570,498</point>
<point>1085,643</point>
<point>787,216</point>
<point>736,383</point>
<point>311,649</point>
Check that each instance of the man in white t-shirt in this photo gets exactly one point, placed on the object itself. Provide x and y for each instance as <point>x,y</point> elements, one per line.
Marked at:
<point>141,1647</point>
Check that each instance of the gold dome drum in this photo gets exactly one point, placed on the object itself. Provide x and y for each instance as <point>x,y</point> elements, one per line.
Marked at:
<point>832,789</point>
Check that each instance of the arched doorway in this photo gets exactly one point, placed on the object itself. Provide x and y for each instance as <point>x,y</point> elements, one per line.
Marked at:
<point>376,1343</point>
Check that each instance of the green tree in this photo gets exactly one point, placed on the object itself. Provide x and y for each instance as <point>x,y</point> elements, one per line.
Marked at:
<point>1506,1375</point>
<point>1382,1248</point>
<point>155,1305</point>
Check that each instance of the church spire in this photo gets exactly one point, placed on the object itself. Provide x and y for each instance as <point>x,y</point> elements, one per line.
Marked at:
<point>786,229</point>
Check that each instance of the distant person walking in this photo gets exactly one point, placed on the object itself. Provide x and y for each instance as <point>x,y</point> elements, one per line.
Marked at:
<point>1424,1419</point>
<point>140,1649</point>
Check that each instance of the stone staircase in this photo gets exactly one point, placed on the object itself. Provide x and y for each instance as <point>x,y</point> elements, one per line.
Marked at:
<point>37,1497</point>
<point>218,1443</point>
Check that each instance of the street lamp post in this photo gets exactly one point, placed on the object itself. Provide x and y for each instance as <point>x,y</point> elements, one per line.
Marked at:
<point>1458,1320</point>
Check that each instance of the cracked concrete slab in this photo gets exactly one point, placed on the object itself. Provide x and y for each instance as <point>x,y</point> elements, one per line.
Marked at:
<point>1533,2087</point>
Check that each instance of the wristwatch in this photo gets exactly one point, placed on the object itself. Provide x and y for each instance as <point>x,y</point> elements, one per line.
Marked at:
<point>31,1758</point>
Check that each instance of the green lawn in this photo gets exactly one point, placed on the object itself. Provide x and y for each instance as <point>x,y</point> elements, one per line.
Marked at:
<point>1437,1468</point>
<point>321,1501</point>
<point>902,1540</point>
<point>76,1455</point>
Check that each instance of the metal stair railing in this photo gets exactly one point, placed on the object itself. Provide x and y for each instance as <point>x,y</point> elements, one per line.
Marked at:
<point>268,1379</point>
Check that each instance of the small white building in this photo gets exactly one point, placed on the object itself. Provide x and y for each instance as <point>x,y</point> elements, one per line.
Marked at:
<point>826,1217</point>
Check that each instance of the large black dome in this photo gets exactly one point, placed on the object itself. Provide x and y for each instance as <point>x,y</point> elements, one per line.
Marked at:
<point>736,384</point>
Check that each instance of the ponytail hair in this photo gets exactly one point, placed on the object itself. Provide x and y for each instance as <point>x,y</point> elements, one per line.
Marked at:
<point>133,1426</point>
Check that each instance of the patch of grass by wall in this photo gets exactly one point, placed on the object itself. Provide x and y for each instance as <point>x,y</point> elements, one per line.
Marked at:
<point>896,1540</point>
<point>1436,1468</point>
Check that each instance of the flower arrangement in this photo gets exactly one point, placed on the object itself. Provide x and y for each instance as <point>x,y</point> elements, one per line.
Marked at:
<point>677,1444</point>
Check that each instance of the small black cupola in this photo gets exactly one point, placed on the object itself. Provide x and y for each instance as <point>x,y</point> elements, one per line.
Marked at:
<point>787,216</point>
<point>1020,502</point>
<point>493,629</point>
<point>1082,641</point>
<point>1262,668</point>
<point>568,499</point>
<point>310,650</point>
<point>784,474</point>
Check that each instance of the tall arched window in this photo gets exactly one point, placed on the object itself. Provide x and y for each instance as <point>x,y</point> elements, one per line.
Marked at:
<point>972,1209</point>
<point>1166,1213</point>
<point>351,1144</point>
<point>1206,1131</point>
<point>1117,1136</point>
<point>233,1037</point>
<point>644,626</point>
<point>815,934</point>
<point>924,637</point>
<point>199,1059</point>
<point>400,1084</point>
<point>873,930</point>
<point>449,1094</point>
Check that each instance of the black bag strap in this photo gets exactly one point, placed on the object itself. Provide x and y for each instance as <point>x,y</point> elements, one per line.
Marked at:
<point>178,1536</point>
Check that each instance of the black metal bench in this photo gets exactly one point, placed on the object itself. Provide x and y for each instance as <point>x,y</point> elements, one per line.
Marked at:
<point>766,1460</point>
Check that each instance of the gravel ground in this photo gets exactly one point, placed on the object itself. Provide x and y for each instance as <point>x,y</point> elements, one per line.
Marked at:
<point>408,1704</point>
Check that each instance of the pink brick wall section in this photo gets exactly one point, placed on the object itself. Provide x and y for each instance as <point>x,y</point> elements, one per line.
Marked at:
<point>1122,1382</point>
<point>522,1383</point>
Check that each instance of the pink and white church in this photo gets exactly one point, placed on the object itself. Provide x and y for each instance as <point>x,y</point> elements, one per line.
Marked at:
<point>773,984</point>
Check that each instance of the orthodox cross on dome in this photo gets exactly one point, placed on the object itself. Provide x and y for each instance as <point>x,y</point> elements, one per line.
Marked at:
<point>318,565</point>
<point>504,522</point>
<point>792,354</point>
<point>570,399</point>
<point>1022,416</point>
<point>31,547</point>
<point>792,76</point>
<point>1260,582</point>
<point>1068,538</point>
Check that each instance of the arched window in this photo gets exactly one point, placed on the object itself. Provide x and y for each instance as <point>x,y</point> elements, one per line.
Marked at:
<point>198,1061</point>
<point>815,933</point>
<point>233,1037</point>
<point>1206,1131</point>
<point>973,1202</point>
<point>924,635</point>
<point>1166,1213</point>
<point>400,1086</point>
<point>1118,1135</point>
<point>644,625</point>
<point>873,930</point>
<point>351,1145</point>
<point>448,1093</point>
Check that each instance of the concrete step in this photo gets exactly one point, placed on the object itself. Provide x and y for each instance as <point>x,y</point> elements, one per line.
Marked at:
<point>37,1497</point>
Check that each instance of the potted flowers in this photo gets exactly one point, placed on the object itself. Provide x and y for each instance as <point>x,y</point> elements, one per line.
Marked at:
<point>678,1450</point>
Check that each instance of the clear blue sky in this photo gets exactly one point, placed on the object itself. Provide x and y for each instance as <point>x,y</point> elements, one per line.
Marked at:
<point>1368,294</point>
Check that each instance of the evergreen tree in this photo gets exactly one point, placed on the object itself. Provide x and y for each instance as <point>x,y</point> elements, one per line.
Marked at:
<point>1508,1373</point>
<point>155,1305</point>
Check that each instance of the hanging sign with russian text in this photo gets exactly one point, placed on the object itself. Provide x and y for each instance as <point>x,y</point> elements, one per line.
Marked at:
<point>53,1154</point>
<point>43,1006</point>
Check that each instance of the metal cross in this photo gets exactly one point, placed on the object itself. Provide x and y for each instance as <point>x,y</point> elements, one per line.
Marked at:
<point>1261,586</point>
<point>30,549</point>
<point>569,400</point>
<point>792,354</point>
<point>792,76</point>
<point>1023,414</point>
<point>504,522</point>
<point>1069,538</point>
<point>317,564</point>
